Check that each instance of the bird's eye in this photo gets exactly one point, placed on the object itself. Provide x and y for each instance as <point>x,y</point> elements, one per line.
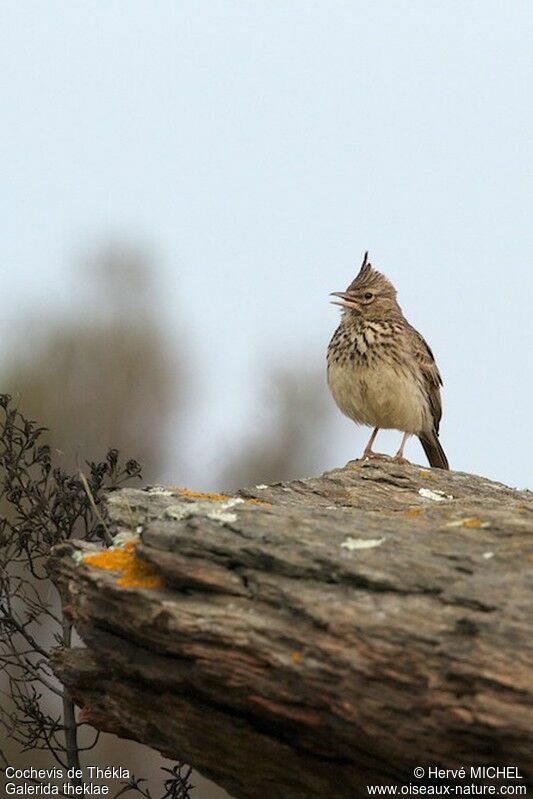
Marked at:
<point>368,295</point>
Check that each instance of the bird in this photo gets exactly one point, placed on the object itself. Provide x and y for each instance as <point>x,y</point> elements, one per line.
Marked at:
<point>381,371</point>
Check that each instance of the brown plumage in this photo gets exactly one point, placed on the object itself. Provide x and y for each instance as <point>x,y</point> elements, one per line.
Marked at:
<point>381,371</point>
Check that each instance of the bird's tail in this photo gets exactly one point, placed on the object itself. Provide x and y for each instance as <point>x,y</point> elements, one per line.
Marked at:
<point>434,452</point>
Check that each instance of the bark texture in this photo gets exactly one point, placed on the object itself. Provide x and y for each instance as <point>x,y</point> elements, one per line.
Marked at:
<point>307,639</point>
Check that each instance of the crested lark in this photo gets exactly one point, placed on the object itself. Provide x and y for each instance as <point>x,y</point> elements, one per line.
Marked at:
<point>381,372</point>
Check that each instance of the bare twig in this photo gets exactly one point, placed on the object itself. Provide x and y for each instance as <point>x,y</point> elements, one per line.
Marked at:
<point>43,505</point>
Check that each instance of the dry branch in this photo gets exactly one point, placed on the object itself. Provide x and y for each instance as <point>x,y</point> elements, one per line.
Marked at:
<point>335,633</point>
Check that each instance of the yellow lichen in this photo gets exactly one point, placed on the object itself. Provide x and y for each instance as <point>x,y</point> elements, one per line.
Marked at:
<point>474,522</point>
<point>471,522</point>
<point>188,492</point>
<point>427,475</point>
<point>132,571</point>
<point>413,512</point>
<point>296,656</point>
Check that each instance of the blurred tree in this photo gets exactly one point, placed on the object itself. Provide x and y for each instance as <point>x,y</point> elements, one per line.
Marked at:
<point>290,443</point>
<point>102,377</point>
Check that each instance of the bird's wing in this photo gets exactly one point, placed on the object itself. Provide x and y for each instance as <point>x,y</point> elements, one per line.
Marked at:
<point>430,372</point>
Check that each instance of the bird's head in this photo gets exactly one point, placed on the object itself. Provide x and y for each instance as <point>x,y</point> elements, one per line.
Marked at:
<point>370,294</point>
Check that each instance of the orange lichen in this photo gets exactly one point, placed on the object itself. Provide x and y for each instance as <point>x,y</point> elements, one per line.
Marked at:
<point>413,512</point>
<point>296,656</point>
<point>473,522</point>
<point>188,492</point>
<point>132,571</point>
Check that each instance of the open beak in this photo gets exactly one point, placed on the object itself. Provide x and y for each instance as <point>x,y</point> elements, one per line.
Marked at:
<point>345,300</point>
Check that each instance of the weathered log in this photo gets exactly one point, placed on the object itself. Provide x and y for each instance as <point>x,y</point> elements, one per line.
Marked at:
<point>308,639</point>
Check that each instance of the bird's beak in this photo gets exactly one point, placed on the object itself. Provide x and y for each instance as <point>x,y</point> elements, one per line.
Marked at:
<point>345,300</point>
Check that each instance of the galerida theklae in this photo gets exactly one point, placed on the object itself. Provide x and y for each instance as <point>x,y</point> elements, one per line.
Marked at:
<point>381,372</point>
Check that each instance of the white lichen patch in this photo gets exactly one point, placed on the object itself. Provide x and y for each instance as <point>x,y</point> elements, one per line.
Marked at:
<point>122,538</point>
<point>261,487</point>
<point>161,491</point>
<point>362,543</point>
<point>215,510</point>
<point>488,555</point>
<point>77,556</point>
<point>219,515</point>
<point>180,512</point>
<point>435,496</point>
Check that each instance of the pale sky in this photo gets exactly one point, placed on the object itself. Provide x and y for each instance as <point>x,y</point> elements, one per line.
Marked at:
<point>258,148</point>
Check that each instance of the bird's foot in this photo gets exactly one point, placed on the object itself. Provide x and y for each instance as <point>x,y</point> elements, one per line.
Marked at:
<point>369,455</point>
<point>399,459</point>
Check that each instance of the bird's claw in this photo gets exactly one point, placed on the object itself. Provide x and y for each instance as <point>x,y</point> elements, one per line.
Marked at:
<point>399,459</point>
<point>370,456</point>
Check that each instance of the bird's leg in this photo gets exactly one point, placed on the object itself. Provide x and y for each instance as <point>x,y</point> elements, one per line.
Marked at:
<point>368,453</point>
<point>399,455</point>
<point>368,449</point>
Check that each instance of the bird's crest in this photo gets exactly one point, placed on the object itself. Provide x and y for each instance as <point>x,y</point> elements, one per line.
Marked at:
<point>368,277</point>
